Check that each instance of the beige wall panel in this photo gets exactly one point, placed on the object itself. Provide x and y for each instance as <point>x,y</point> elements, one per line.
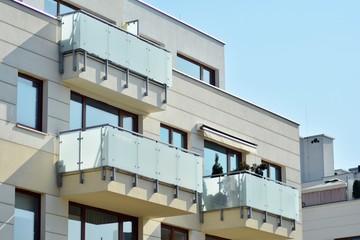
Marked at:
<point>7,194</point>
<point>35,23</point>
<point>56,206</point>
<point>53,236</point>
<point>55,126</point>
<point>8,74</point>
<point>7,214</point>
<point>7,232</point>
<point>151,228</point>
<point>59,92</point>
<point>58,110</point>
<point>8,93</point>
<point>27,137</point>
<point>56,224</point>
<point>27,168</point>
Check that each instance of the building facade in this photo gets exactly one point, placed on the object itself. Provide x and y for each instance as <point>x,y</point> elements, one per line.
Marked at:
<point>330,198</point>
<point>115,124</point>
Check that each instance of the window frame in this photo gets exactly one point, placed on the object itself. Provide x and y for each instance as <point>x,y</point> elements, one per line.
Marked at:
<point>212,80</point>
<point>229,151</point>
<point>171,135</point>
<point>277,167</point>
<point>120,112</point>
<point>37,212</point>
<point>40,97</point>
<point>121,218</point>
<point>61,2</point>
<point>173,229</point>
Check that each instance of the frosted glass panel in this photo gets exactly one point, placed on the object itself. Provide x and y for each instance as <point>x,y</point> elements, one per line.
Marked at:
<point>69,150</point>
<point>187,166</point>
<point>91,148</point>
<point>147,160</point>
<point>167,164</point>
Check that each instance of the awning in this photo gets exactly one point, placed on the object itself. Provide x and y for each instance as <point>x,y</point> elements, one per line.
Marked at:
<point>227,139</point>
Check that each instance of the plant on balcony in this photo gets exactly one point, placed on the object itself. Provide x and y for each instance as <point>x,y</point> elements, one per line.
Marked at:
<point>244,166</point>
<point>217,168</point>
<point>258,169</point>
<point>356,189</point>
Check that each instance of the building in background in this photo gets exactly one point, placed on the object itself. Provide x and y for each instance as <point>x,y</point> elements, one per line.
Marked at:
<point>115,124</point>
<point>330,198</point>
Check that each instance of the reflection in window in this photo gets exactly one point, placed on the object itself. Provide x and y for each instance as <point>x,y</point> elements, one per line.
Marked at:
<point>29,102</point>
<point>52,7</point>
<point>87,112</point>
<point>173,233</point>
<point>27,216</point>
<point>218,159</point>
<point>99,224</point>
<point>272,171</point>
<point>173,136</point>
<point>195,69</point>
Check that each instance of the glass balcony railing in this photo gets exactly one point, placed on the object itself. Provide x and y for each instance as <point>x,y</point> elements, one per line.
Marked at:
<point>82,31</point>
<point>248,190</point>
<point>108,146</point>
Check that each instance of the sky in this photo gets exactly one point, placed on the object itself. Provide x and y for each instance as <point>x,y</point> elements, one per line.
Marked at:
<point>297,58</point>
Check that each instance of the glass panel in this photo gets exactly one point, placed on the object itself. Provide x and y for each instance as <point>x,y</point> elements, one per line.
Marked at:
<point>234,162</point>
<point>127,230</point>
<point>215,159</point>
<point>179,235</point>
<point>29,103</point>
<point>188,67</point>
<point>165,234</point>
<point>51,7</point>
<point>65,9</point>
<point>179,139</point>
<point>101,225</point>
<point>75,111</point>
<point>98,113</point>
<point>74,223</point>
<point>128,123</point>
<point>265,172</point>
<point>165,135</point>
<point>207,76</point>
<point>26,216</point>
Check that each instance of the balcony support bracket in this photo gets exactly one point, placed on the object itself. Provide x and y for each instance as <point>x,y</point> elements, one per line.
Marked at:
<point>221,214</point>
<point>176,195</point>
<point>83,69</point>
<point>156,189</point>
<point>136,179</point>
<point>241,212</point>
<point>127,78</point>
<point>112,177</point>
<point>294,225</point>
<point>280,221</point>
<point>195,200</point>
<point>106,69</point>
<point>146,87</point>
<point>165,92</point>
<point>265,217</point>
<point>81,176</point>
<point>103,174</point>
<point>61,62</point>
<point>249,212</point>
<point>74,60</point>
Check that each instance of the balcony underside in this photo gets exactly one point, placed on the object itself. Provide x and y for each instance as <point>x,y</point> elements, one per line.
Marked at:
<point>90,74</point>
<point>231,224</point>
<point>121,196</point>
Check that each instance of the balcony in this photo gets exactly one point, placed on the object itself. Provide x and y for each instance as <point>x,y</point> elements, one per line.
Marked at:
<point>127,172</point>
<point>102,58</point>
<point>247,204</point>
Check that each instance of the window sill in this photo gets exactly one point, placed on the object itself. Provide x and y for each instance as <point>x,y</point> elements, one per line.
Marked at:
<point>19,125</point>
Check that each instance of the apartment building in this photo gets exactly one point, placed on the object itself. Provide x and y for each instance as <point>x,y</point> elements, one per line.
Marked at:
<point>115,124</point>
<point>330,198</point>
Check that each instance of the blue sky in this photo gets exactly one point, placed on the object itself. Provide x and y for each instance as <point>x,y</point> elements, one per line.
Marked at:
<point>297,58</point>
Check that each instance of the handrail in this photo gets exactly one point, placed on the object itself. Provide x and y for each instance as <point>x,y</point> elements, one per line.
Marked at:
<point>247,172</point>
<point>132,132</point>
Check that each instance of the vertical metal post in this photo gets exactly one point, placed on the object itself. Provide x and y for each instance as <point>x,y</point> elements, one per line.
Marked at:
<point>176,195</point>
<point>83,69</point>
<point>147,87</point>
<point>221,214</point>
<point>127,78</point>
<point>74,60</point>
<point>165,92</point>
<point>135,183</point>
<point>106,69</point>
<point>195,200</point>
<point>156,189</point>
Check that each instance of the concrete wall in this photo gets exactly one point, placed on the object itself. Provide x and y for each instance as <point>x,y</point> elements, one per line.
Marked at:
<point>331,221</point>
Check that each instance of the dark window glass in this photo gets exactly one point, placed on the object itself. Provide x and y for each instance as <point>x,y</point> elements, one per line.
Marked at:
<point>55,7</point>
<point>29,102</point>
<point>27,216</point>
<point>173,136</point>
<point>272,171</point>
<point>92,224</point>
<point>219,159</point>
<point>173,233</point>
<point>87,112</point>
<point>195,69</point>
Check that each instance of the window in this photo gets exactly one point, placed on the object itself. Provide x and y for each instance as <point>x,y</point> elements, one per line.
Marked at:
<point>52,7</point>
<point>173,233</point>
<point>173,136</point>
<point>86,112</point>
<point>272,171</point>
<point>195,69</point>
<point>91,223</point>
<point>29,102</point>
<point>27,216</point>
<point>219,159</point>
